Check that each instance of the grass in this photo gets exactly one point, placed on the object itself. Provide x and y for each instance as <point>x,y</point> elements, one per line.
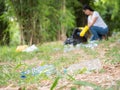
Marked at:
<point>113,52</point>
<point>91,52</point>
<point>12,62</point>
<point>8,54</point>
<point>114,55</point>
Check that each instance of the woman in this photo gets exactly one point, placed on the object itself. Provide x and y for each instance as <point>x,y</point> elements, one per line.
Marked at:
<point>96,24</point>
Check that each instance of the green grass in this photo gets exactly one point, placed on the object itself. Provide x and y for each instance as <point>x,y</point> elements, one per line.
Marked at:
<point>113,55</point>
<point>90,51</point>
<point>12,65</point>
<point>11,62</point>
<point>9,54</point>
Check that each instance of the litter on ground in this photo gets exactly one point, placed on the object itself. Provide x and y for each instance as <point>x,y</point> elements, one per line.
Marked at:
<point>89,65</point>
<point>90,44</point>
<point>26,48</point>
<point>46,69</point>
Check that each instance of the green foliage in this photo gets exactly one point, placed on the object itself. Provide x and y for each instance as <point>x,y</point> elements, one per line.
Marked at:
<point>73,88</point>
<point>14,33</point>
<point>41,21</point>
<point>4,33</point>
<point>110,12</point>
<point>71,77</point>
<point>82,71</point>
<point>55,83</point>
<point>84,83</point>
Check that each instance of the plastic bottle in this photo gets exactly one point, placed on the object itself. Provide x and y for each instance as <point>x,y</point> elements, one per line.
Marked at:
<point>47,69</point>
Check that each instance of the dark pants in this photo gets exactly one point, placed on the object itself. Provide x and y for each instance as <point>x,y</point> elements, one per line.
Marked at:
<point>98,32</point>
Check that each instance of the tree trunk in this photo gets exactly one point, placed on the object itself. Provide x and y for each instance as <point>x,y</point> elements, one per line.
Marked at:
<point>28,19</point>
<point>63,29</point>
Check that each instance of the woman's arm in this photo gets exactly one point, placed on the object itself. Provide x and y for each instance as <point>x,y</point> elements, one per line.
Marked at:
<point>94,20</point>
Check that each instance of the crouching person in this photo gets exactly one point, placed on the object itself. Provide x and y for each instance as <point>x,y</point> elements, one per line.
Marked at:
<point>96,24</point>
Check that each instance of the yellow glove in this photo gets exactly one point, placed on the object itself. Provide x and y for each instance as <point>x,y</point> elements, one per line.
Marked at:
<point>85,29</point>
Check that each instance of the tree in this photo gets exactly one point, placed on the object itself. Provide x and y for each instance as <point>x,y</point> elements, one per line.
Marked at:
<point>110,12</point>
<point>4,33</point>
<point>27,15</point>
<point>42,20</point>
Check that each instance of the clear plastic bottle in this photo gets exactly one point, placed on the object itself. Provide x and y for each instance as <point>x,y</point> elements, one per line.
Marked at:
<point>47,69</point>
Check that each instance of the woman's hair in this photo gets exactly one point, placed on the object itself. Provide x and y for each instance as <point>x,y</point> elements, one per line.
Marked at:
<point>85,7</point>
